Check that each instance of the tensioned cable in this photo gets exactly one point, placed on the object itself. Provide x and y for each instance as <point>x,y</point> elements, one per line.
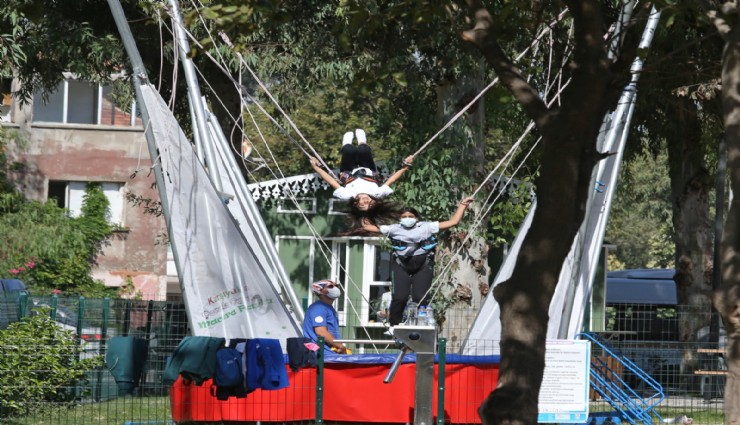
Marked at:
<point>313,231</point>
<point>322,246</point>
<point>495,80</point>
<point>321,243</point>
<point>436,135</point>
<point>444,128</point>
<point>535,42</point>
<point>478,219</point>
<point>243,92</point>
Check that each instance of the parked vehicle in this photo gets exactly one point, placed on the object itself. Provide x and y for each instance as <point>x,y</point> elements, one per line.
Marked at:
<point>90,337</point>
<point>12,285</point>
<point>10,291</point>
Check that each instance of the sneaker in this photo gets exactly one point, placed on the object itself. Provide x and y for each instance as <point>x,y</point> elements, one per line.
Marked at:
<point>361,138</point>
<point>389,331</point>
<point>347,139</point>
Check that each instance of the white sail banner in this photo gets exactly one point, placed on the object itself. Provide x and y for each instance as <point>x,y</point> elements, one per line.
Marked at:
<point>227,287</point>
<point>244,210</point>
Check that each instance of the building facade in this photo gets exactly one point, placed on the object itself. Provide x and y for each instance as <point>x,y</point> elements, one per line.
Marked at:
<point>78,135</point>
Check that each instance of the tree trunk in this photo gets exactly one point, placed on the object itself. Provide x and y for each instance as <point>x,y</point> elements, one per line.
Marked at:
<point>525,297</point>
<point>693,234</point>
<point>569,132</point>
<point>727,298</point>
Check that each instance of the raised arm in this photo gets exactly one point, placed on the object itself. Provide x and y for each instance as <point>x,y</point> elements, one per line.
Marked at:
<point>455,219</point>
<point>324,175</point>
<point>407,162</point>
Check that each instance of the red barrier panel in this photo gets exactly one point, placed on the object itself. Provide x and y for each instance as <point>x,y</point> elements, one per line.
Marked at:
<point>352,393</point>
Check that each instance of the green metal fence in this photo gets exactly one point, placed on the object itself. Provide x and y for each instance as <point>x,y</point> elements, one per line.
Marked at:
<point>97,399</point>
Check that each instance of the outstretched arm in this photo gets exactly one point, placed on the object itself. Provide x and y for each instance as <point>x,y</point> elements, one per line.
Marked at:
<point>324,175</point>
<point>407,162</point>
<point>369,226</point>
<point>455,219</point>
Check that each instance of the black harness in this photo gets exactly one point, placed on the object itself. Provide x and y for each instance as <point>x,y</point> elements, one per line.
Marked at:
<point>427,245</point>
<point>413,263</point>
<point>346,177</point>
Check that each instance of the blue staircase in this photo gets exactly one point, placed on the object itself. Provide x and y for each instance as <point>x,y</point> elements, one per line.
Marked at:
<point>630,405</point>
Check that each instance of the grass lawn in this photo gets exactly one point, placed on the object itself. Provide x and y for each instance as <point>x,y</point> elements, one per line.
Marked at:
<point>119,411</point>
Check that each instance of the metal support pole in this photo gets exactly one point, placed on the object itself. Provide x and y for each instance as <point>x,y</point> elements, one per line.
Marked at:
<point>194,96</point>
<point>103,339</point>
<point>54,306</point>
<point>422,341</point>
<point>22,305</point>
<point>320,381</point>
<point>140,77</point>
<point>441,364</point>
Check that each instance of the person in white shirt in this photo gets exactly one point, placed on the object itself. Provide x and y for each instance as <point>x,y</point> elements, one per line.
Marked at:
<point>359,182</point>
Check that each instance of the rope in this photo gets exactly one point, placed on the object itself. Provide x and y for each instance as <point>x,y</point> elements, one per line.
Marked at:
<point>323,246</point>
<point>534,43</point>
<point>242,92</point>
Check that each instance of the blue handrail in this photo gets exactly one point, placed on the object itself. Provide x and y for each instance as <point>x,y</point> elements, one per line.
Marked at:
<point>622,397</point>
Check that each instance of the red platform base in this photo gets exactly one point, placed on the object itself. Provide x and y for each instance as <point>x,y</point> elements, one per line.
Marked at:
<point>352,393</point>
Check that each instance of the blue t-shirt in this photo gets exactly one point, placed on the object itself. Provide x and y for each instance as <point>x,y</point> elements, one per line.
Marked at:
<point>320,314</point>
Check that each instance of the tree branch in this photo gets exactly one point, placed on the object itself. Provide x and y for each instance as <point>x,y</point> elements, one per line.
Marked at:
<point>588,36</point>
<point>482,37</point>
<point>719,18</point>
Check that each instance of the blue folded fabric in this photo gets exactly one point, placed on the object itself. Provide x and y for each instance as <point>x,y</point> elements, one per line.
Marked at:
<point>265,365</point>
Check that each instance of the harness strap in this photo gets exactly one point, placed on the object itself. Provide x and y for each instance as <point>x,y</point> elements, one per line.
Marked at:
<point>427,245</point>
<point>346,178</point>
<point>402,261</point>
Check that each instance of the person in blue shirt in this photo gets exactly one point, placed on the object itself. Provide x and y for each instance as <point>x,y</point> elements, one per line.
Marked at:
<point>321,319</point>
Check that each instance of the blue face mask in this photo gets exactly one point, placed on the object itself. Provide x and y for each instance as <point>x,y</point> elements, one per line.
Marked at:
<point>408,222</point>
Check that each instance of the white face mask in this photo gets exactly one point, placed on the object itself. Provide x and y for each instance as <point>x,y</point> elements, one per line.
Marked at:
<point>408,221</point>
<point>334,293</point>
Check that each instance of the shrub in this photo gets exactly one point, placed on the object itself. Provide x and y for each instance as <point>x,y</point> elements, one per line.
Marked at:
<point>40,364</point>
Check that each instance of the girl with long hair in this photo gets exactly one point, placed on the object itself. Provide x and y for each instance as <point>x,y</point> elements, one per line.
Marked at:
<point>359,182</point>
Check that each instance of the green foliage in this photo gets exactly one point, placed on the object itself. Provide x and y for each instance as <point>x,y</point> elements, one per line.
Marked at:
<point>50,250</point>
<point>508,213</point>
<point>93,222</point>
<point>640,223</point>
<point>40,364</point>
<point>9,137</point>
<point>74,37</point>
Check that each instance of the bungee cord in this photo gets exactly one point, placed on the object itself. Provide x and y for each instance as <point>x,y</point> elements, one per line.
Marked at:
<point>288,192</point>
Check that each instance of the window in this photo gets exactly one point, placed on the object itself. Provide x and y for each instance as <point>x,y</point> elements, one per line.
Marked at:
<point>376,281</point>
<point>71,194</point>
<point>305,205</point>
<point>80,102</point>
<point>7,100</point>
<point>338,207</point>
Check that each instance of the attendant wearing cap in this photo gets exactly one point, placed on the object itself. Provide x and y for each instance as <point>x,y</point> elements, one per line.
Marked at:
<point>321,319</point>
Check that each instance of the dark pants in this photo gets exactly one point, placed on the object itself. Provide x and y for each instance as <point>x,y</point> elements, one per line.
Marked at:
<point>357,156</point>
<point>413,276</point>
